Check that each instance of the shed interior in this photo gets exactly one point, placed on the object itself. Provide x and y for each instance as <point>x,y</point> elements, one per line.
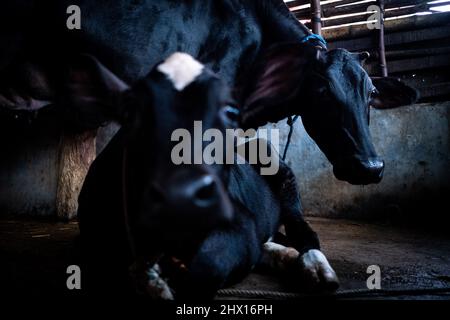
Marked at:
<point>400,224</point>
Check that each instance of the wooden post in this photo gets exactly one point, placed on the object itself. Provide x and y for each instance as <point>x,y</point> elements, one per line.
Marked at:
<point>381,46</point>
<point>316,21</point>
<point>76,153</point>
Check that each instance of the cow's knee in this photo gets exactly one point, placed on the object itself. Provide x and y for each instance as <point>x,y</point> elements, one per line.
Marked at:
<point>278,257</point>
<point>312,267</point>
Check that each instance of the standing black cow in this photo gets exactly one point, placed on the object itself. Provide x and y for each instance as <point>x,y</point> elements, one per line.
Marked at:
<point>136,205</point>
<point>252,44</point>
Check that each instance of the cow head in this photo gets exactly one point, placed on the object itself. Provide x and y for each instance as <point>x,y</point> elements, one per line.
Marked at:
<point>174,202</point>
<point>333,94</point>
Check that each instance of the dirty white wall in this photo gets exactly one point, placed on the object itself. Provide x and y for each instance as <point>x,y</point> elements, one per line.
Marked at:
<point>415,144</point>
<point>28,172</point>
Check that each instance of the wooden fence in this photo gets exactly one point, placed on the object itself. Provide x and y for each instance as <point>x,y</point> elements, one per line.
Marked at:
<point>408,39</point>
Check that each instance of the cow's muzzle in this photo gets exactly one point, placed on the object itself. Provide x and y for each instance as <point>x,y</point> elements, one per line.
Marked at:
<point>196,197</point>
<point>359,172</point>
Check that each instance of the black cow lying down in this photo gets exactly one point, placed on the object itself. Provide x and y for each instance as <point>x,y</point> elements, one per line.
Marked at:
<point>139,212</point>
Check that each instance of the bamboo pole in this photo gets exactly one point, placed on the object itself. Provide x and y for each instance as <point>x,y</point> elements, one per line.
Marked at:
<point>382,48</point>
<point>316,20</point>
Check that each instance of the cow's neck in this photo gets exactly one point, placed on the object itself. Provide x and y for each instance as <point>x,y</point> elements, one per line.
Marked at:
<point>278,23</point>
<point>284,88</point>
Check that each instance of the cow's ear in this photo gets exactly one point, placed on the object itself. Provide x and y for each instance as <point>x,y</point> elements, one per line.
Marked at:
<point>92,94</point>
<point>26,86</point>
<point>276,83</point>
<point>392,93</point>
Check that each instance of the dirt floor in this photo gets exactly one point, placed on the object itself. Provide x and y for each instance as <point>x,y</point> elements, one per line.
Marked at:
<point>35,255</point>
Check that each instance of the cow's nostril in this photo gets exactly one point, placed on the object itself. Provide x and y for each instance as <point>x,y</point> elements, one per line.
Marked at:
<point>359,172</point>
<point>376,166</point>
<point>206,194</point>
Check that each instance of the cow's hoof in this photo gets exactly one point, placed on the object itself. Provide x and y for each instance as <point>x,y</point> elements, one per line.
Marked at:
<point>157,288</point>
<point>317,272</point>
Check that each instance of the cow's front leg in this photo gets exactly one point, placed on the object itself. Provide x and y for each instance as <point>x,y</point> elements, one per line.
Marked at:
<point>312,263</point>
<point>307,260</point>
<point>312,266</point>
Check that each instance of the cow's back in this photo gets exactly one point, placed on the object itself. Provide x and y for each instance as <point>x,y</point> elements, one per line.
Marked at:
<point>131,37</point>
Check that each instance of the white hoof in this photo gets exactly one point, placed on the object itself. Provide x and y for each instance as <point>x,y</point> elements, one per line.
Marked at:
<point>317,270</point>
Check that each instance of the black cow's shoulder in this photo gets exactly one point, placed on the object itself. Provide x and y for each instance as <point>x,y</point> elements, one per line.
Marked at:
<point>255,199</point>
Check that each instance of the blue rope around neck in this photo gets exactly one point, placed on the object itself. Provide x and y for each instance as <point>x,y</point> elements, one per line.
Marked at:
<point>314,36</point>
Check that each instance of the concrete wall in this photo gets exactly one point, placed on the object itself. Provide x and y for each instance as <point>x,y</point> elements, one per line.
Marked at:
<point>42,169</point>
<point>414,142</point>
<point>28,172</point>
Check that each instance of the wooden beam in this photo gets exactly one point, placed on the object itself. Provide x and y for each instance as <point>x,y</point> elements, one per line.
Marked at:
<point>367,43</point>
<point>435,90</point>
<point>415,64</point>
<point>418,35</point>
<point>357,8</point>
<point>419,63</point>
<point>364,16</point>
<point>356,44</point>
<point>409,23</point>
<point>297,3</point>
<point>411,53</point>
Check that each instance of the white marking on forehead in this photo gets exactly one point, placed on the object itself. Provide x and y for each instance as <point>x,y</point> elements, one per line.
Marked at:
<point>181,69</point>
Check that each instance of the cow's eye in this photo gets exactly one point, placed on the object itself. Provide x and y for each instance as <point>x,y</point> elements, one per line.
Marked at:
<point>373,93</point>
<point>230,115</point>
<point>322,89</point>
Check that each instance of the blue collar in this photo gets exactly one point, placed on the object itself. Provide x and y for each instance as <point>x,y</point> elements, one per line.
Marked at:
<point>316,37</point>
